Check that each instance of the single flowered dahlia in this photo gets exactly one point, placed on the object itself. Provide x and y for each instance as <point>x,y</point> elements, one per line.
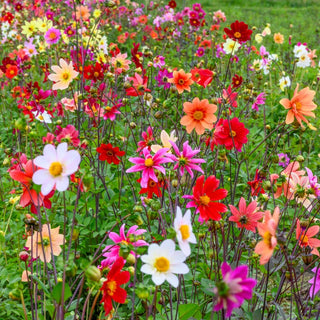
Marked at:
<point>147,137</point>
<point>111,290</point>
<point>63,75</point>
<point>234,288</point>
<point>183,227</point>
<point>305,234</point>
<point>239,32</point>
<point>163,77</point>
<point>149,163</point>
<point>247,216</point>
<point>231,134</point>
<point>236,81</point>
<point>205,198</point>
<point>300,105</point>
<point>163,262</point>
<point>139,85</point>
<point>109,153</point>
<point>111,252</point>
<point>181,80</point>
<point>200,115</point>
<point>43,241</point>
<point>120,63</point>
<point>55,167</point>
<point>260,100</point>
<point>184,160</point>
<point>284,160</point>
<point>230,97</point>
<point>267,230</point>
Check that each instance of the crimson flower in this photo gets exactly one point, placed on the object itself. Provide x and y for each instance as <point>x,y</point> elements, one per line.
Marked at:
<point>239,32</point>
<point>202,76</point>
<point>256,184</point>
<point>236,81</point>
<point>109,153</point>
<point>205,198</point>
<point>147,137</point>
<point>111,287</point>
<point>231,134</point>
<point>139,86</point>
<point>152,187</point>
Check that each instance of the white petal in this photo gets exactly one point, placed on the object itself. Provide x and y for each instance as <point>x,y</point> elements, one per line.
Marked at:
<point>192,238</point>
<point>181,268</point>
<point>187,216</point>
<point>153,250</point>
<point>62,183</point>
<point>61,151</point>
<point>185,247</point>
<point>146,268</point>
<point>41,162</point>
<point>158,278</point>
<point>63,64</point>
<point>50,153</point>
<point>172,279</point>
<point>168,247</point>
<point>47,187</point>
<point>71,162</point>
<point>41,176</point>
<point>178,257</point>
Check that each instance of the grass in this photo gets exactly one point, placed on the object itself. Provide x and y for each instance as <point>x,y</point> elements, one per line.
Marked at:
<point>302,15</point>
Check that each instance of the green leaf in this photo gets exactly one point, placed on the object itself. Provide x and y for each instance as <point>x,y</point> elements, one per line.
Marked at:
<point>57,292</point>
<point>186,311</point>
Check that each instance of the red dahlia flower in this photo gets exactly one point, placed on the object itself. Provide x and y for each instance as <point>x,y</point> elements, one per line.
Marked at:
<point>239,32</point>
<point>231,134</point>
<point>205,198</point>
<point>109,153</point>
<point>236,81</point>
<point>111,287</point>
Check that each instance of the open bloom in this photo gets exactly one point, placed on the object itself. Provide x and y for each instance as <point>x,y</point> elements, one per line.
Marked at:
<point>185,160</point>
<point>231,134</point>
<point>200,115</point>
<point>111,252</point>
<point>148,164</point>
<point>300,105</point>
<point>181,80</point>
<point>267,231</point>
<point>43,241</point>
<point>55,167</point>
<point>183,227</point>
<point>63,75</point>
<point>234,288</point>
<point>162,262</point>
<point>239,32</point>
<point>111,290</point>
<point>109,153</point>
<point>205,198</point>
<point>305,234</point>
<point>52,36</point>
<point>246,217</point>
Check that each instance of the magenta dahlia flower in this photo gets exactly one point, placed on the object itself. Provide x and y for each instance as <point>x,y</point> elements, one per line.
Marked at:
<point>233,289</point>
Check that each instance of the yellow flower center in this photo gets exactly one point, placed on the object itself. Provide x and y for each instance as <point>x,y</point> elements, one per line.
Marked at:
<point>111,287</point>
<point>232,133</point>
<point>107,108</point>
<point>148,162</point>
<point>40,117</point>
<point>298,105</point>
<point>96,74</point>
<point>55,169</point>
<point>304,240</point>
<point>162,264</point>
<point>198,115</point>
<point>237,35</point>
<point>45,241</point>
<point>52,35</point>
<point>204,200</point>
<point>181,81</point>
<point>185,232</point>
<point>267,238</point>
<point>65,76</point>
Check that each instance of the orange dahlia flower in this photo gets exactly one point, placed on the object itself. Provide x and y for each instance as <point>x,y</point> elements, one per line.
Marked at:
<point>300,105</point>
<point>267,231</point>
<point>200,115</point>
<point>181,80</point>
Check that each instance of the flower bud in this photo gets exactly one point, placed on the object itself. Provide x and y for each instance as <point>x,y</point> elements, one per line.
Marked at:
<point>131,270</point>
<point>23,255</point>
<point>93,273</point>
<point>300,158</point>
<point>131,259</point>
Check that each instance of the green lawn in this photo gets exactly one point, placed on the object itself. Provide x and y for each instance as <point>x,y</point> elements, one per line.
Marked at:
<point>303,15</point>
